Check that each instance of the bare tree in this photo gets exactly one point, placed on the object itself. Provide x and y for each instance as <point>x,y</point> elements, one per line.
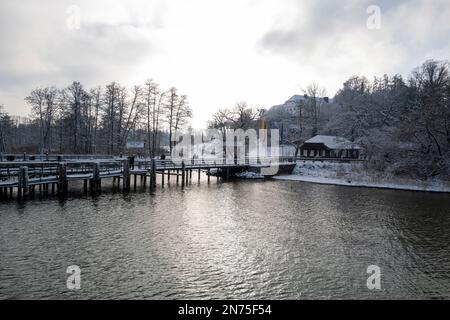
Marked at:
<point>36,100</point>
<point>315,99</point>
<point>95,96</point>
<point>4,124</point>
<point>154,99</point>
<point>110,116</point>
<point>182,114</point>
<point>135,112</point>
<point>171,105</point>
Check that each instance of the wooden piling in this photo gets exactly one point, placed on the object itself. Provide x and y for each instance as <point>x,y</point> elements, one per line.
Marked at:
<point>153,176</point>
<point>23,181</point>
<point>63,183</point>
<point>183,174</point>
<point>95,181</point>
<point>126,175</point>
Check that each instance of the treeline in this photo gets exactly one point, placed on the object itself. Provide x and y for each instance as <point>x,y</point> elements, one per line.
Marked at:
<point>100,120</point>
<point>402,125</point>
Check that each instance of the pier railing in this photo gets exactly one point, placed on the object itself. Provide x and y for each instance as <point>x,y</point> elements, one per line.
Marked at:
<point>24,176</point>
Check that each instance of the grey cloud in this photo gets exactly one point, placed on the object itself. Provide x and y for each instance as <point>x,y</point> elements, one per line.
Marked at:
<point>333,25</point>
<point>38,48</point>
<point>325,22</point>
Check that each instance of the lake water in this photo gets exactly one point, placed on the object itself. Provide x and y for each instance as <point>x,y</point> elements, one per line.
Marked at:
<point>243,239</point>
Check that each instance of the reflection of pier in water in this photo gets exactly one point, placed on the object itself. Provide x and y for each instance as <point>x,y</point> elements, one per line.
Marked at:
<point>22,178</point>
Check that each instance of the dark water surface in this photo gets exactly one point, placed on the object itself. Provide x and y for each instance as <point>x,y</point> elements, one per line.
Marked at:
<point>249,240</point>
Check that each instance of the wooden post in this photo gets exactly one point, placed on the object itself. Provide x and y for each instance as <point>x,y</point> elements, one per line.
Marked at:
<point>162,178</point>
<point>85,186</point>
<point>178,176</point>
<point>95,181</point>
<point>168,176</point>
<point>63,183</point>
<point>135,181</point>
<point>126,175</point>
<point>190,176</point>
<point>183,174</point>
<point>153,176</point>
<point>209,175</point>
<point>19,192</point>
<point>199,175</point>
<point>23,181</point>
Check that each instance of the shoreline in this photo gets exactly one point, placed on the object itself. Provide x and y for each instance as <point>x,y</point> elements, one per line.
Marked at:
<point>362,184</point>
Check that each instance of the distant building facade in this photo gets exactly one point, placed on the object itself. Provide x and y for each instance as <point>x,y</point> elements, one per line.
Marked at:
<point>330,147</point>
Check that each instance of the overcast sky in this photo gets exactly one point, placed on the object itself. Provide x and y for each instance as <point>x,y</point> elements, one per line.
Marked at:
<point>218,52</point>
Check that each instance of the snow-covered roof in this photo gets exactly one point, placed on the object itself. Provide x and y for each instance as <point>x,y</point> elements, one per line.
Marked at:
<point>333,142</point>
<point>296,99</point>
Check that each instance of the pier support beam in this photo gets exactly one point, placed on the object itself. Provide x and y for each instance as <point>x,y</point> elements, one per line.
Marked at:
<point>23,182</point>
<point>63,183</point>
<point>183,174</point>
<point>126,175</point>
<point>95,181</point>
<point>153,176</point>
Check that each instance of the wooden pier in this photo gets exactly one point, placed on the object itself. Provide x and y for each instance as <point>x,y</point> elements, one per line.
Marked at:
<point>26,178</point>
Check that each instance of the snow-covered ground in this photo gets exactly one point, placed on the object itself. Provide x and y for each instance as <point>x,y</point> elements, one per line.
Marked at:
<point>249,175</point>
<point>355,174</point>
